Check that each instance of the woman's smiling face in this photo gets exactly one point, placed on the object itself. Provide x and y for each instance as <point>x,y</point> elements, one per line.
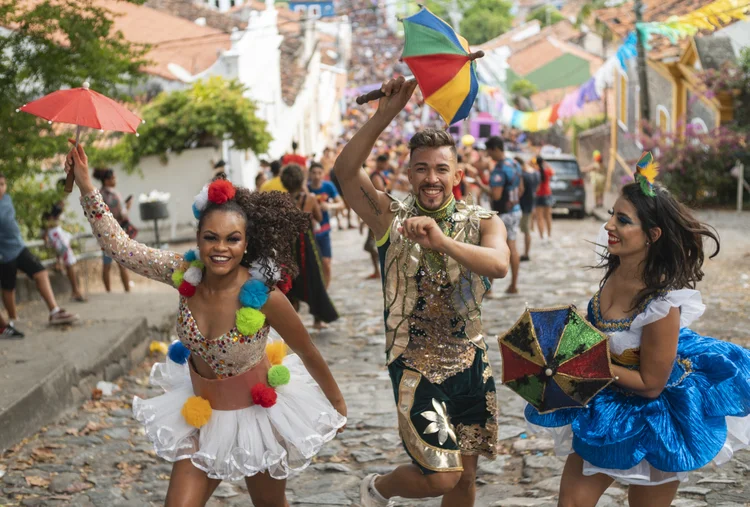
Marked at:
<point>625,232</point>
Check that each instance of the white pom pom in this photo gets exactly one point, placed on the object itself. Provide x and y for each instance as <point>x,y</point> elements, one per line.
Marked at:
<point>201,200</point>
<point>259,272</point>
<point>193,275</point>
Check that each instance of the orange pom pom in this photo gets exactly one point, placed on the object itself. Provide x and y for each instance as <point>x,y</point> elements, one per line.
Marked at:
<point>196,411</point>
<point>276,352</point>
<point>220,191</point>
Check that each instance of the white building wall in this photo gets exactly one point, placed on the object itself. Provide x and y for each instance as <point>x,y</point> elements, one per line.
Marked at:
<point>183,176</point>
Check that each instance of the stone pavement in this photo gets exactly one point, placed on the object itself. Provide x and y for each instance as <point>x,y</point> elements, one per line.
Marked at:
<point>100,457</point>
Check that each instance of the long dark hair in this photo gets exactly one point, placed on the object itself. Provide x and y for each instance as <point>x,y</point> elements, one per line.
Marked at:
<point>540,162</point>
<point>675,260</point>
<point>273,224</point>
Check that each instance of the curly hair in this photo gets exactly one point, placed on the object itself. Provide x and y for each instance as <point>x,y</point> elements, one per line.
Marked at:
<point>292,177</point>
<point>675,261</point>
<point>273,224</point>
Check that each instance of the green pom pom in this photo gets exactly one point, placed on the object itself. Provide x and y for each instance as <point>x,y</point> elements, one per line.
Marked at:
<point>249,321</point>
<point>177,277</point>
<point>278,376</point>
<point>198,264</point>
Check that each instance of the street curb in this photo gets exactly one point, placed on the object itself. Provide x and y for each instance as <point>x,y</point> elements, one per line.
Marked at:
<point>67,386</point>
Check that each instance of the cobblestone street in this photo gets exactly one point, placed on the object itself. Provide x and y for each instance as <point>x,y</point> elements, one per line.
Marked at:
<point>100,457</point>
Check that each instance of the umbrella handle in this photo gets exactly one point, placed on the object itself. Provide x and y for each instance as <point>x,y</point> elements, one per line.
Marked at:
<point>70,180</point>
<point>374,95</point>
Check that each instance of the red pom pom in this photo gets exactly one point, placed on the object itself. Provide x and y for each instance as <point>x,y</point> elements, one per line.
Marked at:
<point>263,395</point>
<point>186,289</point>
<point>220,191</point>
<point>285,284</point>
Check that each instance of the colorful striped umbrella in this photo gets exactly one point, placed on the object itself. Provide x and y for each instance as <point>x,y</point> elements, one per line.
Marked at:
<point>442,64</point>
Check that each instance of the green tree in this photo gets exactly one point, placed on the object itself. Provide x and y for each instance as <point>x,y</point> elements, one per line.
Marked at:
<point>201,116</point>
<point>53,44</point>
<point>523,88</point>
<point>546,15</point>
<point>486,19</point>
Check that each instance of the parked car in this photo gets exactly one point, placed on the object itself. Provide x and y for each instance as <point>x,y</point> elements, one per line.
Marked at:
<point>568,190</point>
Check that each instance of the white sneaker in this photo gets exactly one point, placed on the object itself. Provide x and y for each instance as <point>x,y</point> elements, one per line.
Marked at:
<point>369,496</point>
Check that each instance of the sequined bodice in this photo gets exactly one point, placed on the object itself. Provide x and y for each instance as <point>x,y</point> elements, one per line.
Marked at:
<point>432,303</point>
<point>438,347</point>
<point>227,355</point>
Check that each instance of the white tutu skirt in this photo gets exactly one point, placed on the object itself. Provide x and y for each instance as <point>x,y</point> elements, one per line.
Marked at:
<point>235,444</point>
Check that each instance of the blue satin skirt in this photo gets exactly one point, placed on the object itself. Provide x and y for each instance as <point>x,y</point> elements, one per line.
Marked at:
<point>703,414</point>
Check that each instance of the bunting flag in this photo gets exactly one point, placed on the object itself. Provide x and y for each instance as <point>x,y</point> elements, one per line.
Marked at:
<point>708,18</point>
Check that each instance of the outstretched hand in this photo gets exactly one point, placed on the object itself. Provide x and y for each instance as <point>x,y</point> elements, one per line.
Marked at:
<point>425,232</point>
<point>397,94</point>
<point>78,162</point>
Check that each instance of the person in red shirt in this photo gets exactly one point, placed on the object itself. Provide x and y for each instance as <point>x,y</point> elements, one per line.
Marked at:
<point>544,198</point>
<point>294,158</point>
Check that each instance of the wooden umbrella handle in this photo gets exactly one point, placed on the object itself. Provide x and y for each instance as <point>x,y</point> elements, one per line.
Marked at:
<point>378,94</point>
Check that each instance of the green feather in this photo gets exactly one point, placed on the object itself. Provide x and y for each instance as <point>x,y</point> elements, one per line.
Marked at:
<point>646,187</point>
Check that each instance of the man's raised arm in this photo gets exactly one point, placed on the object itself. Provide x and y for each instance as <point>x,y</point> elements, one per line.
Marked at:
<point>370,204</point>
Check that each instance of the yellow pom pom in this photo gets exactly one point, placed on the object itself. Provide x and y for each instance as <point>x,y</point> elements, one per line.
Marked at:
<point>249,321</point>
<point>155,346</point>
<point>177,277</point>
<point>276,352</point>
<point>196,411</point>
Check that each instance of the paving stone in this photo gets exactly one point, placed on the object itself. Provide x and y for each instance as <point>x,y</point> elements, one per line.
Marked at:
<point>519,477</point>
<point>525,502</point>
<point>544,462</point>
<point>683,502</point>
<point>533,444</point>
<point>59,483</point>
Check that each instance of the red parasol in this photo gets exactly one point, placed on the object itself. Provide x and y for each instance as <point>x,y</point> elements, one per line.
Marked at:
<point>85,108</point>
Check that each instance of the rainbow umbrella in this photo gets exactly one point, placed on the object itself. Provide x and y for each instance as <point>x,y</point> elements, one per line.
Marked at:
<point>442,64</point>
<point>554,359</point>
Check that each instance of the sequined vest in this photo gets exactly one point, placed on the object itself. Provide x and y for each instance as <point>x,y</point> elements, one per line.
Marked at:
<point>429,297</point>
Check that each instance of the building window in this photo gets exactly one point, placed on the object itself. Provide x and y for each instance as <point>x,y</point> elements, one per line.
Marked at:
<point>662,119</point>
<point>622,104</point>
<point>232,3</point>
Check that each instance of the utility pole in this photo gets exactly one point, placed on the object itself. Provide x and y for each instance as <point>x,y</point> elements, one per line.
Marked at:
<point>642,79</point>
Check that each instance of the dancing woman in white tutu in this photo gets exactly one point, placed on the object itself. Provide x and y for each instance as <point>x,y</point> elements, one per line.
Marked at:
<point>235,406</point>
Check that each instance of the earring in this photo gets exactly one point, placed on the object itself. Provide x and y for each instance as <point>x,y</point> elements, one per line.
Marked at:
<point>648,243</point>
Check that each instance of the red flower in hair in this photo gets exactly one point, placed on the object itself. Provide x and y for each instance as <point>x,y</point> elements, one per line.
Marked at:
<point>220,191</point>
<point>186,289</point>
<point>263,395</point>
<point>285,284</point>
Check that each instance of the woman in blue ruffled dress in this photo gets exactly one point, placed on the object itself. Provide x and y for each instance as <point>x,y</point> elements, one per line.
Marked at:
<point>679,400</point>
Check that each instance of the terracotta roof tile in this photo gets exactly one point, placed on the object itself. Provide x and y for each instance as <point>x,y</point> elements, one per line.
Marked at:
<point>564,31</point>
<point>292,72</point>
<point>173,39</point>
<point>189,10</point>
<point>533,57</point>
<point>621,21</point>
<point>546,50</point>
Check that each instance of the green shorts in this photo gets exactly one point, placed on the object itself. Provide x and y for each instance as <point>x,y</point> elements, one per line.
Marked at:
<point>440,422</point>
